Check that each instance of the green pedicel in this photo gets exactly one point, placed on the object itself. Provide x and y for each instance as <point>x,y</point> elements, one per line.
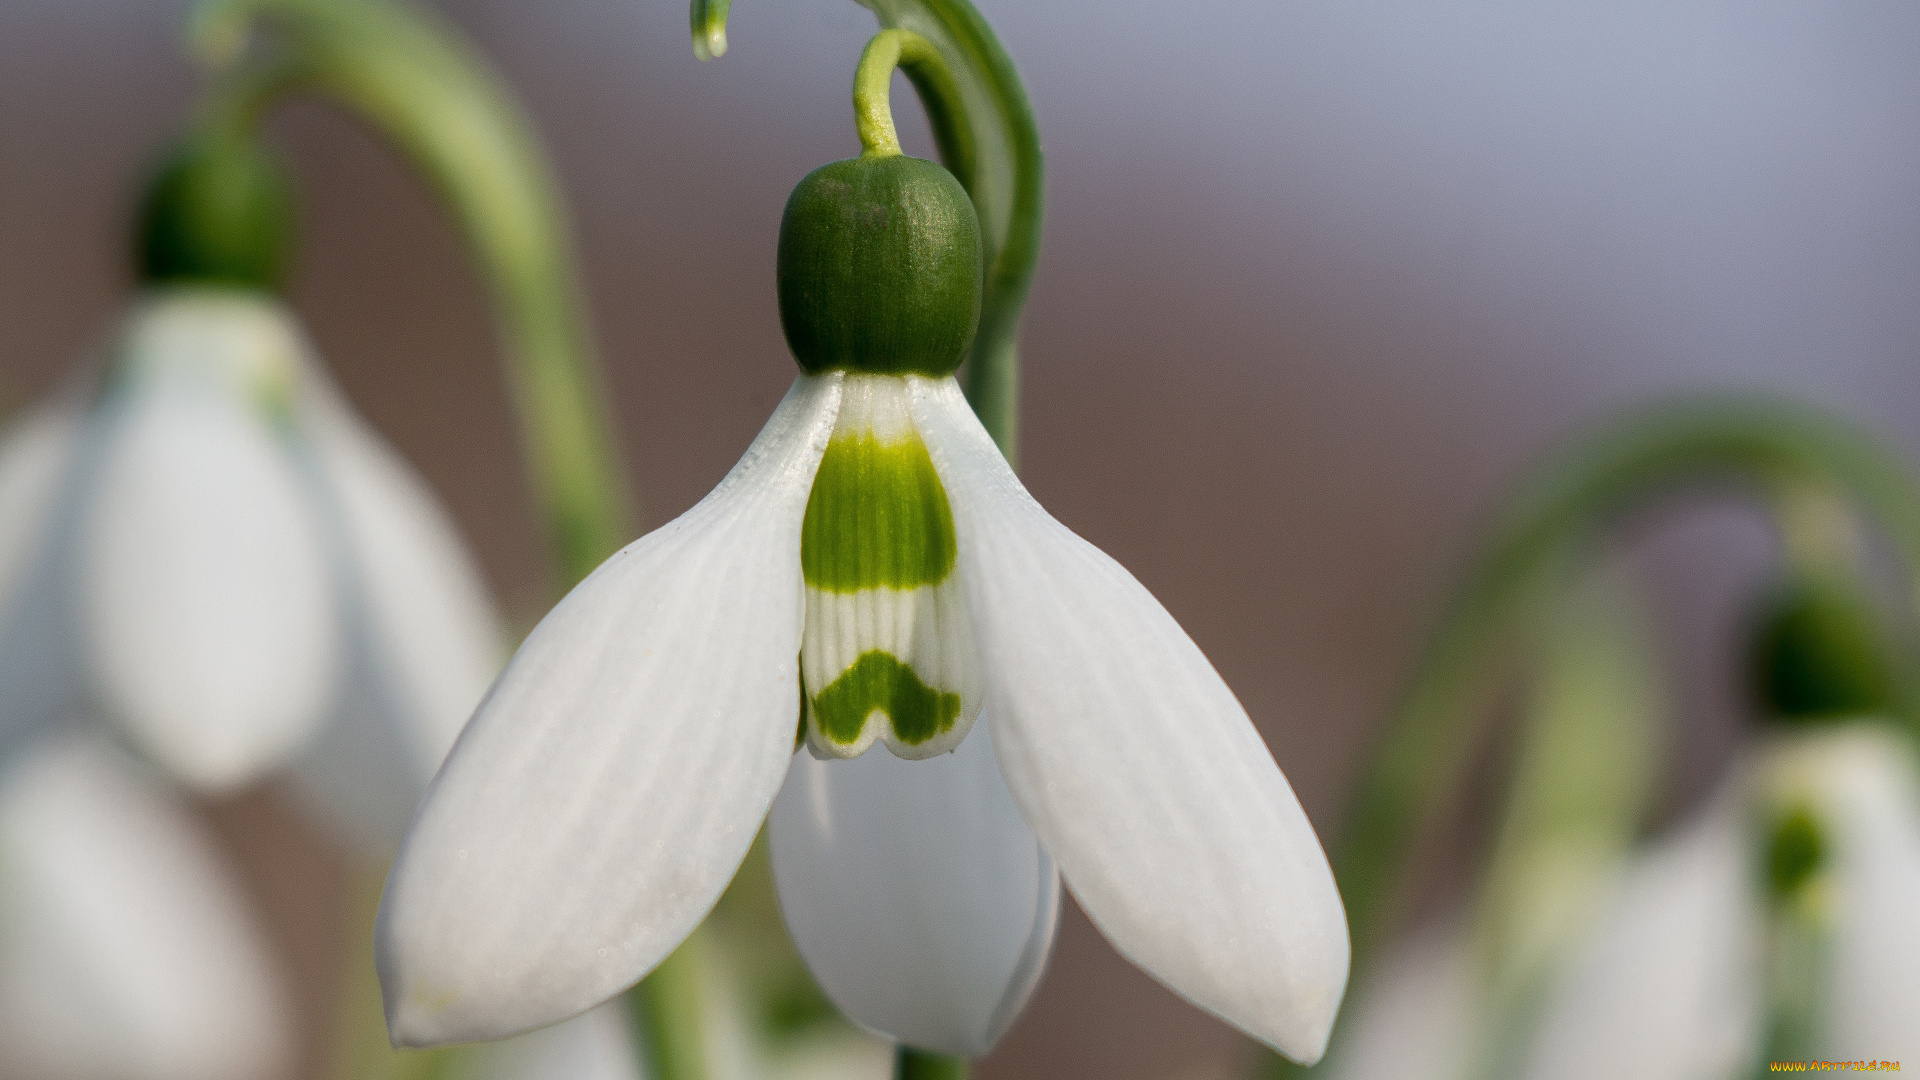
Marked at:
<point>877,518</point>
<point>878,681</point>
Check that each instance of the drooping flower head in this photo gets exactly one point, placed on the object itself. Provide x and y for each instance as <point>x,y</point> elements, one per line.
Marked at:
<point>871,579</point>
<point>209,551</point>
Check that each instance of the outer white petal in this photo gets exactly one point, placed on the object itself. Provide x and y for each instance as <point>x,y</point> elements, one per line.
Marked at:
<point>1416,1018</point>
<point>1668,988</point>
<point>1869,793</point>
<point>916,893</point>
<point>609,785</point>
<point>1133,762</point>
<point>596,1045</point>
<point>423,638</point>
<point>125,953</point>
<point>209,606</point>
<point>39,674</point>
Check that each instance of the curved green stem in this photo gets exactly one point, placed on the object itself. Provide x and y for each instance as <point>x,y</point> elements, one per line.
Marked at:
<point>415,80</point>
<point>1580,785</point>
<point>987,137</point>
<point>911,1064</point>
<point>873,85</point>
<point>1765,447</point>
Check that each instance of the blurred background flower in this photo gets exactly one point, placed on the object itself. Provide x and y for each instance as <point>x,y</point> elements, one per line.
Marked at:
<point>1319,281</point>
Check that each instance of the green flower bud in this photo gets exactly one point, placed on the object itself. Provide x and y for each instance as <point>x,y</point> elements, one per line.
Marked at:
<point>880,268</point>
<point>1821,653</point>
<point>217,212</point>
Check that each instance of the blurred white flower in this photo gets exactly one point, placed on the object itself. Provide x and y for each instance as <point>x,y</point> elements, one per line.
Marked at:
<point>596,1045</point>
<point>611,782</point>
<point>1418,1015</point>
<point>216,556</point>
<point>125,951</point>
<point>1672,985</point>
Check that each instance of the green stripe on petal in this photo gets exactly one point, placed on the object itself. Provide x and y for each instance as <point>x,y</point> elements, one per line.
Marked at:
<point>877,681</point>
<point>877,518</point>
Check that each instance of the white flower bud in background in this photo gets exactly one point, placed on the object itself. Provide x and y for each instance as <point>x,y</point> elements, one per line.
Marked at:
<point>126,952</point>
<point>223,562</point>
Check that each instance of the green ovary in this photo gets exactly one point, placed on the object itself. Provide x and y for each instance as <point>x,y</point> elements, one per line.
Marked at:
<point>917,711</point>
<point>877,517</point>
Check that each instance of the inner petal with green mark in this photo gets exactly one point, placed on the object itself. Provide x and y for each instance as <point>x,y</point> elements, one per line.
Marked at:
<point>888,649</point>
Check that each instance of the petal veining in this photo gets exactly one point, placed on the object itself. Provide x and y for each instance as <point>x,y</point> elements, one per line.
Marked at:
<point>888,652</point>
<point>125,950</point>
<point>423,639</point>
<point>207,598</point>
<point>610,783</point>
<point>1133,762</point>
<point>920,900</point>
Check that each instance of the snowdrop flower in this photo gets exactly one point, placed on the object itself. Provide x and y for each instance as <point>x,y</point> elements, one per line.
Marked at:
<point>870,579</point>
<point>125,951</point>
<point>209,550</point>
<point>1779,920</point>
<point>217,556</point>
<point>1673,984</point>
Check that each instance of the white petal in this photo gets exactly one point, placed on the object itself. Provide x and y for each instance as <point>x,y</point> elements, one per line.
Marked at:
<point>40,674</point>
<point>125,952</point>
<point>423,637</point>
<point>1416,1018</point>
<point>610,783</point>
<point>1869,794</point>
<point>208,600</point>
<point>1668,987</point>
<point>1134,764</point>
<point>596,1045</point>
<point>920,900</point>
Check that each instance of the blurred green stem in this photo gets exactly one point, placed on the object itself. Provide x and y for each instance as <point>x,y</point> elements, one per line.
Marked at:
<point>911,1064</point>
<point>987,137</point>
<point>421,86</point>
<point>1582,779</point>
<point>670,1007</point>
<point>1762,447</point>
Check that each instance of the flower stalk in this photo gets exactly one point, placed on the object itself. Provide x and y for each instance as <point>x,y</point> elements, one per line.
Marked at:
<point>873,85</point>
